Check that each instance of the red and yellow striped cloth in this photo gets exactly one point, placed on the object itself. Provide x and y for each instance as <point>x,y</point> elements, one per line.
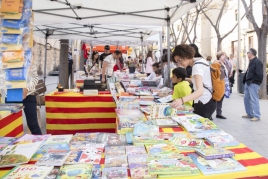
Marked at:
<point>257,166</point>
<point>69,113</point>
<point>12,125</point>
<point>79,83</point>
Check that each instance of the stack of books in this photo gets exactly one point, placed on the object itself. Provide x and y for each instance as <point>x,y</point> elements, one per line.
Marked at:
<point>221,140</point>
<point>185,143</point>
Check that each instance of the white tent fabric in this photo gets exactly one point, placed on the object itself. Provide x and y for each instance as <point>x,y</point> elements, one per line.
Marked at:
<point>132,12</point>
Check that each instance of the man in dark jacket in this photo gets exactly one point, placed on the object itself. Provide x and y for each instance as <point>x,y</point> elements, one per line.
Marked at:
<point>252,80</point>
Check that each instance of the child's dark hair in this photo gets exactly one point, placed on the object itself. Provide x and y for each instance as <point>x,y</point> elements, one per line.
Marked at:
<point>158,72</point>
<point>140,61</point>
<point>180,73</point>
<point>156,65</point>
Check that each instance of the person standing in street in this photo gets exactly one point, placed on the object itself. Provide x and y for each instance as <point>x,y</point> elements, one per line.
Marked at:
<point>108,65</point>
<point>252,80</point>
<point>105,54</point>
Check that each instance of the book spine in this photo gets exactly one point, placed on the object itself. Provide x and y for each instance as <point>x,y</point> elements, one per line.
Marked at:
<point>219,156</point>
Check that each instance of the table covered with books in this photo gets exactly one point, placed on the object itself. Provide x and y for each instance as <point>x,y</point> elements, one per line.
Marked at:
<point>72,112</point>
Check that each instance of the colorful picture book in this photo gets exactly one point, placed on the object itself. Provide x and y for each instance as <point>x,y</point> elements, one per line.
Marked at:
<point>147,110</point>
<point>141,172</point>
<point>28,171</point>
<point>135,83</point>
<point>208,170</point>
<point>115,161</point>
<point>127,98</point>
<point>56,139</point>
<point>143,129</point>
<point>162,111</point>
<point>115,173</point>
<point>222,163</point>
<point>4,141</point>
<point>184,109</point>
<point>115,150</point>
<point>54,173</point>
<point>13,155</point>
<point>187,143</point>
<point>50,148</point>
<point>214,153</point>
<point>135,150</point>
<point>166,99</point>
<point>29,138</point>
<point>137,160</point>
<point>160,149</point>
<point>55,158</point>
<point>83,171</point>
<point>111,139</point>
<point>222,140</point>
<point>96,172</point>
<point>84,138</point>
<point>82,154</point>
<point>165,123</point>
<point>130,121</point>
<point>128,112</point>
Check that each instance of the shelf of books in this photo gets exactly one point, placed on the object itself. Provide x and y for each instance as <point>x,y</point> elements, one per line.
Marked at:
<point>71,112</point>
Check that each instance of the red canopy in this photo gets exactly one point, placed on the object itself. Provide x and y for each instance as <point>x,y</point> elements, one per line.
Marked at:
<point>123,49</point>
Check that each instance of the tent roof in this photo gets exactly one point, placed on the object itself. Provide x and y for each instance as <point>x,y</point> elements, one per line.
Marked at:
<point>132,12</point>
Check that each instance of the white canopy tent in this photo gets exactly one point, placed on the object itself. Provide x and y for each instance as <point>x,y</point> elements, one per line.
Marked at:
<point>127,12</point>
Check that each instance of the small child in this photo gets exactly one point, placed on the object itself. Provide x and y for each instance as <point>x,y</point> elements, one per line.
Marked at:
<point>158,78</point>
<point>182,87</point>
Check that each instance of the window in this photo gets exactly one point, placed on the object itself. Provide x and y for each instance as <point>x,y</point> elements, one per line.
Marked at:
<point>250,42</point>
<point>236,15</point>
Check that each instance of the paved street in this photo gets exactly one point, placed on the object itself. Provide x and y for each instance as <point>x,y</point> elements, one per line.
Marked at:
<point>252,134</point>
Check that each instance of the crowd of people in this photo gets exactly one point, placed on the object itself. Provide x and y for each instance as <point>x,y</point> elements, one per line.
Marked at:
<point>194,79</point>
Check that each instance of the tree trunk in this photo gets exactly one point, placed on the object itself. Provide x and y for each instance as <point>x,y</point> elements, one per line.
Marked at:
<point>262,37</point>
<point>64,73</point>
<point>219,48</point>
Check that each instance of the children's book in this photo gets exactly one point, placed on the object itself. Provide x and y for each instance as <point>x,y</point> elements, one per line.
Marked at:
<point>28,172</point>
<point>54,139</point>
<point>129,137</point>
<point>85,154</point>
<point>137,160</point>
<point>128,112</point>
<point>96,172</point>
<point>53,174</point>
<point>185,117</point>
<point>160,149</point>
<point>116,161</point>
<point>13,155</point>
<point>161,138</point>
<point>165,123</point>
<point>135,83</point>
<point>165,99</point>
<point>134,150</point>
<point>115,150</point>
<point>222,140</point>
<point>55,158</point>
<point>112,139</point>
<point>208,170</point>
<point>147,110</point>
<point>127,105</point>
<point>222,163</point>
<point>141,172</point>
<point>130,121</point>
<point>145,130</point>
<point>84,138</point>
<point>4,141</point>
<point>50,148</point>
<point>115,173</point>
<point>187,143</point>
<point>214,153</point>
<point>29,138</point>
<point>184,109</point>
<point>162,111</point>
<point>205,134</point>
<point>83,171</point>
<point>127,98</point>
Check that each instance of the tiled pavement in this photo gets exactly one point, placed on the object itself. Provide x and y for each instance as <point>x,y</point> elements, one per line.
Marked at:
<point>252,134</point>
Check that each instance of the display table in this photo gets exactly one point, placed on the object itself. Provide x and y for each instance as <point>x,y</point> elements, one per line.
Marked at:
<point>69,113</point>
<point>12,125</point>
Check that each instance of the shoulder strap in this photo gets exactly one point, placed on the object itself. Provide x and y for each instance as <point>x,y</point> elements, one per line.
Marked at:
<point>92,66</point>
<point>201,63</point>
<point>203,83</point>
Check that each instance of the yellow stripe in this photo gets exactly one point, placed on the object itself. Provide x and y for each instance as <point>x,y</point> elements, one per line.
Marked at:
<point>79,115</point>
<point>80,126</point>
<point>3,172</point>
<point>237,147</point>
<point>79,84</point>
<point>71,94</point>
<point>10,127</point>
<point>262,169</point>
<point>247,156</point>
<point>20,134</point>
<point>80,104</point>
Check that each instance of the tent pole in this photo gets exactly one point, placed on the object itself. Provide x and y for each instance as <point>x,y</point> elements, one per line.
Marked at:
<point>91,49</point>
<point>45,65</point>
<point>168,46</point>
<point>161,53</point>
<point>142,65</point>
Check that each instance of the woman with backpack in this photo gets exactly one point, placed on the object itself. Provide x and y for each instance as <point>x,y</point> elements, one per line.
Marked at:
<point>204,104</point>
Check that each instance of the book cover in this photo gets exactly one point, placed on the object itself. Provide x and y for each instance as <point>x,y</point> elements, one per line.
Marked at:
<point>222,140</point>
<point>53,158</point>
<point>96,172</point>
<point>147,110</point>
<point>214,153</point>
<point>137,160</point>
<point>135,150</point>
<point>184,109</point>
<point>187,143</point>
<point>13,155</point>
<point>166,99</point>
<point>162,111</point>
<point>165,122</point>
<point>115,150</point>
<point>141,172</point>
<point>84,138</point>
<point>208,170</point>
<point>115,173</point>
<point>128,112</point>
<point>29,138</point>
<point>50,148</point>
<point>145,130</point>
<point>115,161</point>
<point>53,174</point>
<point>222,163</point>
<point>127,98</point>
<point>85,155</point>
<point>159,149</point>
<point>82,171</point>
<point>54,139</point>
<point>130,121</point>
<point>135,83</point>
<point>4,141</point>
<point>111,139</point>
<point>129,137</point>
<point>29,172</point>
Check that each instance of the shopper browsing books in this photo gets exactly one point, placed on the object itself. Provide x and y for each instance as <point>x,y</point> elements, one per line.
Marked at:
<point>149,62</point>
<point>204,105</point>
<point>152,75</point>
<point>108,65</point>
<point>182,88</point>
<point>158,78</point>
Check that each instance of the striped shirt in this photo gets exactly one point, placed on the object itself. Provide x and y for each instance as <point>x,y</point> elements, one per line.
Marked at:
<point>32,79</point>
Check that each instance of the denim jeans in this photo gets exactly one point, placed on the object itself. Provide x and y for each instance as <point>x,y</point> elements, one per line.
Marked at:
<point>251,100</point>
